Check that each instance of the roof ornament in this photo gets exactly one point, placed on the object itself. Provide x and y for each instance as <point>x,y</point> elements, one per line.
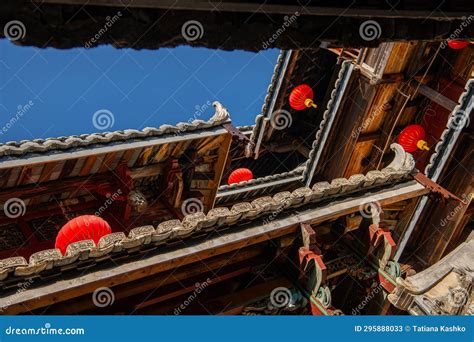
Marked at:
<point>403,160</point>
<point>221,115</point>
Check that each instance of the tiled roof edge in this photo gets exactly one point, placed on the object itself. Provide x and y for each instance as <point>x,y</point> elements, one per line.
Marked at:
<point>306,168</point>
<point>280,68</point>
<point>459,118</point>
<point>22,147</point>
<point>328,116</point>
<point>293,173</point>
<point>401,168</point>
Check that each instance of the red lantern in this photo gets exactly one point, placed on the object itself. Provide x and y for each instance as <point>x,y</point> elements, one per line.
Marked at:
<point>412,138</point>
<point>240,175</point>
<point>302,97</point>
<point>457,44</point>
<point>86,227</point>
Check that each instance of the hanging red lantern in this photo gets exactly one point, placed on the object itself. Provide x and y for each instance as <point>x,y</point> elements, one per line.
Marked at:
<point>240,175</point>
<point>412,138</point>
<point>457,44</point>
<point>86,227</point>
<point>302,97</point>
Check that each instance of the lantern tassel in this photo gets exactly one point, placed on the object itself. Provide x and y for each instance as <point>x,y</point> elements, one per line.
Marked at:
<point>301,97</point>
<point>309,103</point>
<point>422,145</point>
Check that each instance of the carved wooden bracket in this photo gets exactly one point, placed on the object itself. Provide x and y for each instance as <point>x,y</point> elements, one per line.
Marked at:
<point>313,272</point>
<point>436,188</point>
<point>382,248</point>
<point>242,138</point>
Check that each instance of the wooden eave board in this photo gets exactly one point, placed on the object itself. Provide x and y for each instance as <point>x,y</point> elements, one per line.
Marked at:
<point>254,233</point>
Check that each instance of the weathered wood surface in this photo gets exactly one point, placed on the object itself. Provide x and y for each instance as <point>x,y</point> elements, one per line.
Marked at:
<point>442,223</point>
<point>174,277</point>
<point>434,96</point>
<point>343,139</point>
<point>253,234</point>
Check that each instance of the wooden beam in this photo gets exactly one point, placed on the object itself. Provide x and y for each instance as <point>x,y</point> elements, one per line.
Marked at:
<point>191,288</point>
<point>76,183</point>
<point>441,224</point>
<point>219,165</point>
<point>406,210</point>
<point>391,78</point>
<point>295,144</point>
<point>271,8</point>
<point>388,124</point>
<point>171,278</point>
<point>251,234</point>
<point>333,116</point>
<point>369,136</point>
<point>434,96</point>
<point>246,296</point>
<point>343,140</point>
<point>147,171</point>
<point>221,300</point>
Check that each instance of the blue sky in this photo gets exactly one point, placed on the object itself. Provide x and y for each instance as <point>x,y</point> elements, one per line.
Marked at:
<point>140,88</point>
